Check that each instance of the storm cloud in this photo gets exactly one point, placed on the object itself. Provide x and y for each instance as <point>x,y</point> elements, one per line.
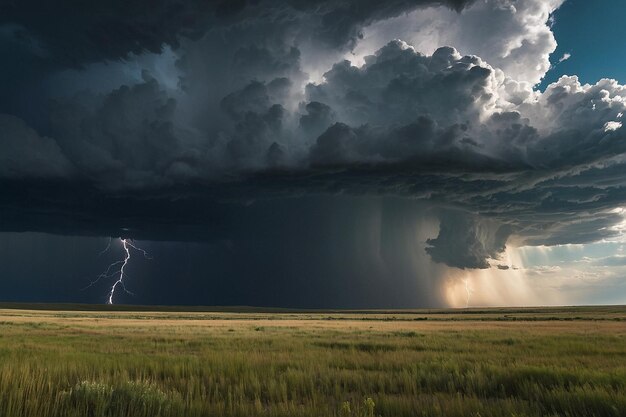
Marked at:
<point>254,119</point>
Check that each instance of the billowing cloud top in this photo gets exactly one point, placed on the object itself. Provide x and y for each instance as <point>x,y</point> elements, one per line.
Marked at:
<point>215,105</point>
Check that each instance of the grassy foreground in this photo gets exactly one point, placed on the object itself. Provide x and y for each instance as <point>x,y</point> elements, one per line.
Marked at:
<point>523,362</point>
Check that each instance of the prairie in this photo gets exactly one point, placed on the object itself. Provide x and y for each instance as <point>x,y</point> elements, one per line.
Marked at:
<point>66,361</point>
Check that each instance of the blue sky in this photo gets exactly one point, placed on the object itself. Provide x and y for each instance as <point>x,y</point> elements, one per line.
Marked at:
<point>593,32</point>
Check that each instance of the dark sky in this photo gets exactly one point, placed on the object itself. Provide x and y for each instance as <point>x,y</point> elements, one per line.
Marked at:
<point>310,153</point>
<point>354,268</point>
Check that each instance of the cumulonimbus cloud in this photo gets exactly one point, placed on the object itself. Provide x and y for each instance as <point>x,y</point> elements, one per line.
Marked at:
<point>247,123</point>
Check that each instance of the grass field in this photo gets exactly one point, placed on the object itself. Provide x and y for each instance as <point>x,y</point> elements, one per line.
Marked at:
<point>501,362</point>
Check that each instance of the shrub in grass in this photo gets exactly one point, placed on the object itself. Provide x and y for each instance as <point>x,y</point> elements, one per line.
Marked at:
<point>138,398</point>
<point>345,410</point>
<point>370,406</point>
<point>368,409</point>
<point>91,397</point>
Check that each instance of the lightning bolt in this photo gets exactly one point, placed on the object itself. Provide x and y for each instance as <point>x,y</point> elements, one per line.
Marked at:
<point>120,280</point>
<point>118,268</point>
<point>127,244</point>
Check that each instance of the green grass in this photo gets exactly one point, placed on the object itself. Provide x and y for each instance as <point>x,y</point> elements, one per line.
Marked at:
<point>542,362</point>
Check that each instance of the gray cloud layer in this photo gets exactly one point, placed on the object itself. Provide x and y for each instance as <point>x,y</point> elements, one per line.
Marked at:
<point>248,123</point>
<point>112,30</point>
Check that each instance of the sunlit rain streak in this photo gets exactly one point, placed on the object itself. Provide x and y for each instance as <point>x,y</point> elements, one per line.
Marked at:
<point>469,293</point>
<point>510,281</point>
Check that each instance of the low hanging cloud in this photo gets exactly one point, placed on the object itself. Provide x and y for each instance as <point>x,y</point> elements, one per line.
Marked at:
<point>467,241</point>
<point>247,124</point>
<point>26,155</point>
<point>128,136</point>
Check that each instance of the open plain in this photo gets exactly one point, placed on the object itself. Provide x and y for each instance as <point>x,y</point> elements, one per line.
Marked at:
<point>64,361</point>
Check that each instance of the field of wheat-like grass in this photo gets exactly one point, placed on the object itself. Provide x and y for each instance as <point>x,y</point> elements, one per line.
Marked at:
<point>501,362</point>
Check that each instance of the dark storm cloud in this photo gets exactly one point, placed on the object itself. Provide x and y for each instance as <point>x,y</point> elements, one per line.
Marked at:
<point>466,242</point>
<point>25,154</point>
<point>398,83</point>
<point>111,30</point>
<point>340,21</point>
<point>75,33</point>
<point>44,37</point>
<point>344,252</point>
<point>127,136</point>
<point>245,132</point>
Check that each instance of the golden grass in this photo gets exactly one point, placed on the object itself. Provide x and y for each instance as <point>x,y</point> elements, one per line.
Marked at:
<point>516,362</point>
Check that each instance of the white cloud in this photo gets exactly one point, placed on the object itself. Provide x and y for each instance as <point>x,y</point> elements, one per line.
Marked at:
<point>508,34</point>
<point>611,126</point>
<point>565,57</point>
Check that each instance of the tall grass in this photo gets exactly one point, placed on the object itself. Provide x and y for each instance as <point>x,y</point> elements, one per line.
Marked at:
<point>55,367</point>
